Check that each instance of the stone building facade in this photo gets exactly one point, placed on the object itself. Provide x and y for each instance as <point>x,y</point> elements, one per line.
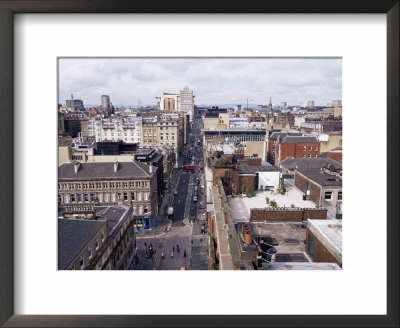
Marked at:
<point>132,183</point>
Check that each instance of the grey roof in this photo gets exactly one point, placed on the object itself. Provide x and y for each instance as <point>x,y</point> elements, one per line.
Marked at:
<point>282,135</point>
<point>113,213</point>
<point>320,177</point>
<point>126,170</point>
<point>245,168</point>
<point>73,236</point>
<point>299,139</point>
<point>275,135</point>
<point>308,163</point>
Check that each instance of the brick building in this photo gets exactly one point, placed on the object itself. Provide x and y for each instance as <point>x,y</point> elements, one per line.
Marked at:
<point>322,186</point>
<point>324,241</point>
<point>272,143</point>
<point>296,147</point>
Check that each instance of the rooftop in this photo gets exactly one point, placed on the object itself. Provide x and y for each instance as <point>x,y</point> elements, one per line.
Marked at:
<point>114,214</point>
<point>299,139</point>
<point>73,235</point>
<point>308,163</point>
<point>127,170</point>
<point>320,177</point>
<point>289,237</point>
<point>245,168</point>
<point>241,206</point>
<point>329,233</point>
<point>299,266</point>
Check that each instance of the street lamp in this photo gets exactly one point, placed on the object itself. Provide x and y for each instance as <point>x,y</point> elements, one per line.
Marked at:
<point>247,100</point>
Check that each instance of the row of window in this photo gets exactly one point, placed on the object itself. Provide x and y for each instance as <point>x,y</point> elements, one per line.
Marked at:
<point>103,197</point>
<point>103,185</point>
<point>82,264</point>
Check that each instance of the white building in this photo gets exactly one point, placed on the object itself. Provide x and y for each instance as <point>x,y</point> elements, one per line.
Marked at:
<point>187,102</point>
<point>127,129</point>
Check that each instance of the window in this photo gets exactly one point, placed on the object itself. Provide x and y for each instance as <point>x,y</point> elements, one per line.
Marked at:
<point>86,197</point>
<point>59,199</point>
<point>132,196</point>
<point>145,196</point>
<point>304,147</point>
<point>304,155</point>
<point>139,196</point>
<point>73,198</point>
<point>315,155</point>
<point>124,184</point>
<point>309,155</point>
<point>328,195</point>
<point>310,148</point>
<point>79,198</point>
<point>89,251</point>
<point>125,196</point>
<point>96,242</point>
<point>112,185</point>
<point>105,185</point>
<point>137,184</point>
<point>102,236</point>
<point>82,262</point>
<point>92,197</point>
<point>316,148</point>
<point>340,195</point>
<point>145,208</point>
<point>59,186</point>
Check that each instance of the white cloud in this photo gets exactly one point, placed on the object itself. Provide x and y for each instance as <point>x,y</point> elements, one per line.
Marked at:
<point>214,80</point>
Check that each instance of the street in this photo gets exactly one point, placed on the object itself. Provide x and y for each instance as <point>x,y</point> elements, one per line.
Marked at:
<point>187,221</point>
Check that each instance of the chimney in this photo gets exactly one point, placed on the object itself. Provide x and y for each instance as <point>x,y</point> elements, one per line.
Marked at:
<point>151,168</point>
<point>76,167</point>
<point>115,166</point>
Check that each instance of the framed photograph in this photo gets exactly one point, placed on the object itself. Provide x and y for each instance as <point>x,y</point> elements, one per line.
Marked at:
<point>46,44</point>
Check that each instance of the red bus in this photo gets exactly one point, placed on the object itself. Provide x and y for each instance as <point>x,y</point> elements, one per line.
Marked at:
<point>188,168</point>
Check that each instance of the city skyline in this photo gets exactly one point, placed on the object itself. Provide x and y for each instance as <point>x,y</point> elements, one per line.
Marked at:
<point>214,80</point>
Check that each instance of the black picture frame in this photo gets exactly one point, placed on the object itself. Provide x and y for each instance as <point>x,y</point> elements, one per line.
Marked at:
<point>7,10</point>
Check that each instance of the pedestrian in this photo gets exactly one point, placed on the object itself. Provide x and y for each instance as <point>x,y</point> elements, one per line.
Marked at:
<point>184,253</point>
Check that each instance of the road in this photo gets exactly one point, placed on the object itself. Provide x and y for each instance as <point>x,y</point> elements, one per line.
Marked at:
<point>186,222</point>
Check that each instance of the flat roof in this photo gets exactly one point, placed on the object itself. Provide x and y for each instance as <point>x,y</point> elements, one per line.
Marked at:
<point>240,207</point>
<point>299,266</point>
<point>329,233</point>
<point>245,168</point>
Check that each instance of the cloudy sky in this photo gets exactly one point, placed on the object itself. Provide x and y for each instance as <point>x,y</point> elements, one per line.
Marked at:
<point>214,81</point>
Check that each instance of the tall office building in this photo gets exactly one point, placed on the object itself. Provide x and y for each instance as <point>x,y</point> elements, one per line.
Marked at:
<point>74,104</point>
<point>187,101</point>
<point>182,102</point>
<point>105,102</point>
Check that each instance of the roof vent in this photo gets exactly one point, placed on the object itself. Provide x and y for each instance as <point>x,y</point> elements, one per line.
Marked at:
<point>151,168</point>
<point>115,166</point>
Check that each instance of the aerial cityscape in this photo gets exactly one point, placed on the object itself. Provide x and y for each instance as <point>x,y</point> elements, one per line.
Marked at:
<point>199,164</point>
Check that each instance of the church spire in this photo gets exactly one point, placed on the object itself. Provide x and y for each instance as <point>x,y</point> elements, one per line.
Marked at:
<point>270,105</point>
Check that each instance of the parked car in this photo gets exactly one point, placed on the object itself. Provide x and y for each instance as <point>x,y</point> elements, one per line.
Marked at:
<point>195,198</point>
